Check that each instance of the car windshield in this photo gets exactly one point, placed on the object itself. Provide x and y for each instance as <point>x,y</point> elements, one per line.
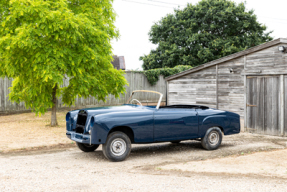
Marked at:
<point>145,98</point>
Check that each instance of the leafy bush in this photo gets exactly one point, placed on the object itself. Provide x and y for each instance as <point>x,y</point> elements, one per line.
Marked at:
<point>153,74</point>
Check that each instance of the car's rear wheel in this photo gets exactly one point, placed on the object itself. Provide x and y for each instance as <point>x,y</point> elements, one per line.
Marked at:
<point>87,147</point>
<point>175,142</point>
<point>117,146</point>
<point>212,138</point>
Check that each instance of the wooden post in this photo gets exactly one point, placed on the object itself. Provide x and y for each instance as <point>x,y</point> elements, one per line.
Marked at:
<point>54,121</point>
<point>245,104</point>
<point>166,97</point>
<point>281,123</point>
<point>245,97</point>
<point>216,86</point>
<point>244,62</point>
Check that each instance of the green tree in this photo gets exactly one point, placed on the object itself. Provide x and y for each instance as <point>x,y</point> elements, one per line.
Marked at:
<point>42,42</point>
<point>203,32</point>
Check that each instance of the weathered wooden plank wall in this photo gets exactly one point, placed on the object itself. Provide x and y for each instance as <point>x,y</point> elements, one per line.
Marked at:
<point>214,88</point>
<point>269,61</point>
<point>137,81</point>
<point>197,88</point>
<point>217,87</point>
<point>263,105</point>
<point>285,104</point>
<point>231,86</point>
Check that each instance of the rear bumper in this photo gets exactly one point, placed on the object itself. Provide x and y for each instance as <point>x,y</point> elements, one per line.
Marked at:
<point>80,138</point>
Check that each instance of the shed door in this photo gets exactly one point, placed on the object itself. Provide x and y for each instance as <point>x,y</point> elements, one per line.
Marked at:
<point>263,104</point>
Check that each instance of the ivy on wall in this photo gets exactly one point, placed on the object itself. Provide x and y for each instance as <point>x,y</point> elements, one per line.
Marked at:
<point>153,74</point>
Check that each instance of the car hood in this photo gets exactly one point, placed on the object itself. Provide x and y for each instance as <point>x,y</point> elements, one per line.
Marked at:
<point>122,108</point>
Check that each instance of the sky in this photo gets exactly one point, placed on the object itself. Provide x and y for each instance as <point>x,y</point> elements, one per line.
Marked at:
<point>135,18</point>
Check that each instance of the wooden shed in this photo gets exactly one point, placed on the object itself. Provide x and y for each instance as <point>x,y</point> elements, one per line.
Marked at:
<point>252,83</point>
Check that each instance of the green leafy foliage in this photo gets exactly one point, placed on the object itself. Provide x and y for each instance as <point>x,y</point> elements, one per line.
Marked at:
<point>42,42</point>
<point>203,32</point>
<point>153,74</point>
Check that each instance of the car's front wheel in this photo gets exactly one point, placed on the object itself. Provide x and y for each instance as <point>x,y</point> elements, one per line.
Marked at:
<point>87,147</point>
<point>117,146</point>
<point>212,138</point>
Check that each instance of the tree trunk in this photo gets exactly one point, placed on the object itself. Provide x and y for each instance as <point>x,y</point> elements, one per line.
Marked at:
<point>54,108</point>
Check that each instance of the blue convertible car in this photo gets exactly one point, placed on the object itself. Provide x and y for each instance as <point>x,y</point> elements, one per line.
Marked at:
<point>116,128</point>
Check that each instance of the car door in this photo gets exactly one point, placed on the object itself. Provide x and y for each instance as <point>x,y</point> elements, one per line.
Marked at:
<point>175,124</point>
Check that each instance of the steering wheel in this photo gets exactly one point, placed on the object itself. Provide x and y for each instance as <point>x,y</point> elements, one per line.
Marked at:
<point>136,101</point>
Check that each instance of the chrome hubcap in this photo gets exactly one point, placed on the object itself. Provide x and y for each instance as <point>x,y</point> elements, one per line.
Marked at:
<point>213,138</point>
<point>118,147</point>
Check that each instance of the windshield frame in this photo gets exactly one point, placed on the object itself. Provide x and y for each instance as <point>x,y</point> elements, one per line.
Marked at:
<point>159,101</point>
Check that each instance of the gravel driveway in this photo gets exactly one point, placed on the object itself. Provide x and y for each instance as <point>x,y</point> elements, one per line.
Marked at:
<point>154,167</point>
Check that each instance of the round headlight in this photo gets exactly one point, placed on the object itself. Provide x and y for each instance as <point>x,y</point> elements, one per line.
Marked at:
<point>68,117</point>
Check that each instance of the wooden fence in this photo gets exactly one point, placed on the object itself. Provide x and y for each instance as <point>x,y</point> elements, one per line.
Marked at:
<point>137,81</point>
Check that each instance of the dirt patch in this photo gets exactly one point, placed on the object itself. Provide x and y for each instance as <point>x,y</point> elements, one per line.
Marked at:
<point>27,132</point>
<point>170,159</point>
<point>265,164</point>
<point>39,149</point>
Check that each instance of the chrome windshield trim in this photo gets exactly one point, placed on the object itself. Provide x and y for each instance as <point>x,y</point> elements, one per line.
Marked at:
<point>148,91</point>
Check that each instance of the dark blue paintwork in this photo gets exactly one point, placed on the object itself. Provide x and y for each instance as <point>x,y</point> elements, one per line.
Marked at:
<point>149,124</point>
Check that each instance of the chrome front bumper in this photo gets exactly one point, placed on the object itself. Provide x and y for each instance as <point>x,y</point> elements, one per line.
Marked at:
<point>78,137</point>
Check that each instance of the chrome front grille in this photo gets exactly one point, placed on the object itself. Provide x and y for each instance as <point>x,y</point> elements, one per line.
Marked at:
<point>81,121</point>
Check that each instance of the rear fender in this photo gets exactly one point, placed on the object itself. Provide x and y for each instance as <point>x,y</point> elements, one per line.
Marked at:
<point>220,121</point>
